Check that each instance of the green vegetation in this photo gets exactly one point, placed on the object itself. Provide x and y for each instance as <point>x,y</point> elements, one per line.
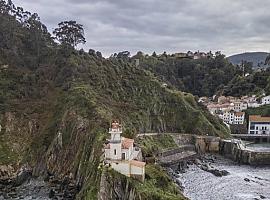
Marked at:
<point>263,110</point>
<point>206,76</point>
<point>157,185</point>
<point>51,89</point>
<point>7,155</point>
<point>152,145</point>
<point>203,77</point>
<point>256,83</point>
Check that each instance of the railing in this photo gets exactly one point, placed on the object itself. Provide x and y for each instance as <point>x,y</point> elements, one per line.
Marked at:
<point>115,129</point>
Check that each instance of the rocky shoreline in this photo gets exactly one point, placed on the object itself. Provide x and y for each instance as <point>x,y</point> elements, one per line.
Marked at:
<point>212,176</point>
<point>21,184</point>
<point>204,162</point>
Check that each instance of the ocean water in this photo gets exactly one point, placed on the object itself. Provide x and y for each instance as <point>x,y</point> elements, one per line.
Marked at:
<point>263,147</point>
<point>243,183</point>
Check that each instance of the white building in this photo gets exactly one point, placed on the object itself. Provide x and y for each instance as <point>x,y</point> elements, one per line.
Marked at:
<point>266,100</point>
<point>239,106</point>
<point>259,125</point>
<point>231,117</point>
<point>122,155</point>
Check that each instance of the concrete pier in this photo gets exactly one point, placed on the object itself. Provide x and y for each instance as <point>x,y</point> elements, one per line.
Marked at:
<point>235,149</point>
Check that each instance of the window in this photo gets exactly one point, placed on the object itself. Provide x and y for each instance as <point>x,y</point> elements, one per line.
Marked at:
<point>115,152</point>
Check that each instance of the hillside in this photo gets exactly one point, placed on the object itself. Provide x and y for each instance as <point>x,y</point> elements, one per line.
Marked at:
<point>202,77</point>
<point>56,104</point>
<point>257,58</point>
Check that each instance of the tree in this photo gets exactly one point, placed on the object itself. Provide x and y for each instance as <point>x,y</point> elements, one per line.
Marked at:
<point>99,54</point>
<point>154,54</point>
<point>70,33</point>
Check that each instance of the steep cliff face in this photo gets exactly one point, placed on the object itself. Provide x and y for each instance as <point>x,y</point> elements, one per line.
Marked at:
<point>157,185</point>
<point>55,106</point>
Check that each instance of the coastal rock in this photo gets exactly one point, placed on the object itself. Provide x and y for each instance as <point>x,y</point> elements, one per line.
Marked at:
<point>23,175</point>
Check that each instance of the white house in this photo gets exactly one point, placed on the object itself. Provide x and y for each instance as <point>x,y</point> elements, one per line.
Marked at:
<point>231,117</point>
<point>266,100</point>
<point>259,125</point>
<point>239,106</point>
<point>122,155</point>
<point>239,118</point>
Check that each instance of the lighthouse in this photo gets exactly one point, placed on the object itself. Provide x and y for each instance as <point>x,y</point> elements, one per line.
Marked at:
<point>122,154</point>
<point>115,141</point>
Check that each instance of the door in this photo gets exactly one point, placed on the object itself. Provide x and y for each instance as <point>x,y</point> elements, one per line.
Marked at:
<point>123,156</point>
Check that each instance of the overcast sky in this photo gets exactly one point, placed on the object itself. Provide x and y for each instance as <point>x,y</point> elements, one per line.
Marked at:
<point>232,26</point>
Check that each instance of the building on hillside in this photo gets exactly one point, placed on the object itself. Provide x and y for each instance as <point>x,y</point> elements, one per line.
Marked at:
<point>190,54</point>
<point>254,104</point>
<point>259,125</point>
<point>199,55</point>
<point>239,118</point>
<point>222,99</point>
<point>203,100</point>
<point>266,100</point>
<point>137,62</point>
<point>239,106</point>
<point>213,108</point>
<point>180,55</point>
<point>122,155</point>
<point>232,117</point>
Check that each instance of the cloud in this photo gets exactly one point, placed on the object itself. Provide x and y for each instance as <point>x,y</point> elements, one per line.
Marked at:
<point>232,26</point>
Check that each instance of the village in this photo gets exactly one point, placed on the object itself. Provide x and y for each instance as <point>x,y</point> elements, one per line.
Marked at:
<point>231,111</point>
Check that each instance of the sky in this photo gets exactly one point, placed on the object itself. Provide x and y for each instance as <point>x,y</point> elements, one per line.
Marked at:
<point>232,26</point>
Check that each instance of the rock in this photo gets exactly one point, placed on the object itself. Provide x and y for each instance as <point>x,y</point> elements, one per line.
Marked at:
<point>24,175</point>
<point>177,176</point>
<point>51,193</point>
<point>178,182</point>
<point>224,172</point>
<point>262,197</point>
<point>246,179</point>
<point>197,161</point>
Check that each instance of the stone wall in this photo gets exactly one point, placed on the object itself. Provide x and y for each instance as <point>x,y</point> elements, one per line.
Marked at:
<point>233,149</point>
<point>207,144</point>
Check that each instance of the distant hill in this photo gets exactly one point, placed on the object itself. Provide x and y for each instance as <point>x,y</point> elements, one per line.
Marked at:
<point>257,58</point>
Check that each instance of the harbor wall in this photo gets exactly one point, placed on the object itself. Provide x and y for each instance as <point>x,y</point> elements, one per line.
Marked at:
<point>236,150</point>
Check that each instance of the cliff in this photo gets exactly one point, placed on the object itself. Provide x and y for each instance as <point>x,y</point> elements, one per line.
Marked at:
<point>56,104</point>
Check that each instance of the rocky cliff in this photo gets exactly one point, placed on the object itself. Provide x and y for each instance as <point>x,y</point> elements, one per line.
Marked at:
<point>56,104</point>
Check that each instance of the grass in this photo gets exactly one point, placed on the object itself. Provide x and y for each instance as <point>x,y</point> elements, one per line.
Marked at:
<point>263,110</point>
<point>151,145</point>
<point>7,156</point>
<point>157,185</point>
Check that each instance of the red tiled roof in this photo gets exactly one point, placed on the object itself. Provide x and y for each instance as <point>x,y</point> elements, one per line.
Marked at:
<point>239,113</point>
<point>258,118</point>
<point>127,143</point>
<point>137,163</point>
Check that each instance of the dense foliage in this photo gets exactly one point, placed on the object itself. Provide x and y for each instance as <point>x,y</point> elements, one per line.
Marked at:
<point>70,33</point>
<point>48,88</point>
<point>255,83</point>
<point>206,76</point>
<point>201,77</point>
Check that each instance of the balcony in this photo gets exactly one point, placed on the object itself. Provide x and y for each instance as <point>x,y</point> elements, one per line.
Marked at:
<point>115,130</point>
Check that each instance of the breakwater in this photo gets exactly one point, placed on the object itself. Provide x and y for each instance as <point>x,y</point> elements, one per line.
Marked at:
<point>239,152</point>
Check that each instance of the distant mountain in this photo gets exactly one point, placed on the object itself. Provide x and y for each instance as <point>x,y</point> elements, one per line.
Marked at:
<point>257,58</point>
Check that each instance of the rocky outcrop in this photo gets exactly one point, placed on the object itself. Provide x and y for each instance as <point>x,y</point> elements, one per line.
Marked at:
<point>116,186</point>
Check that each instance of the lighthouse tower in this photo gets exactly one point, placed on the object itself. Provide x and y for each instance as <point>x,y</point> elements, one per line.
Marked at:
<point>115,142</point>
